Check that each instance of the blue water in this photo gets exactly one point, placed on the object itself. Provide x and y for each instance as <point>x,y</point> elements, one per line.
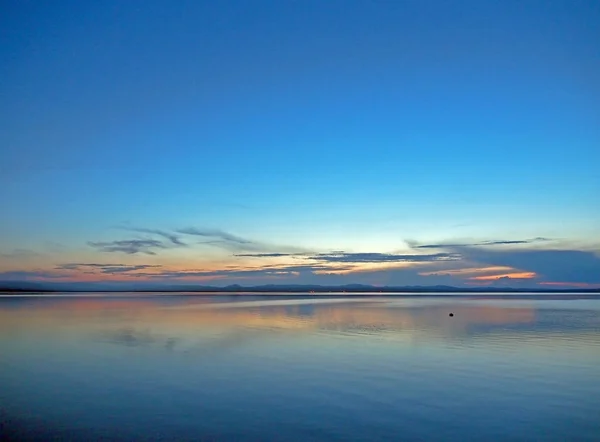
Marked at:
<point>251,368</point>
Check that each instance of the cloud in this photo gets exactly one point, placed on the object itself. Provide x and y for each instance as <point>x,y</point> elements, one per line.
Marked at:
<point>539,265</point>
<point>31,275</point>
<point>215,233</point>
<point>130,246</point>
<point>239,272</point>
<point>550,265</point>
<point>147,246</point>
<point>534,266</point>
<point>357,258</point>
<point>236,243</point>
<point>171,237</point>
<point>226,240</point>
<point>302,268</point>
<point>453,263</point>
<point>208,274</point>
<point>416,245</point>
<point>109,269</point>
<point>216,237</point>
<point>267,255</point>
<point>383,257</point>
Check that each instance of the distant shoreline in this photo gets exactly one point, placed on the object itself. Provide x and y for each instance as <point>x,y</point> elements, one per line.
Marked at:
<point>313,292</point>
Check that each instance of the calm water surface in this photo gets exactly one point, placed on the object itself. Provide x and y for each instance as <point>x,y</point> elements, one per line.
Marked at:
<point>250,368</point>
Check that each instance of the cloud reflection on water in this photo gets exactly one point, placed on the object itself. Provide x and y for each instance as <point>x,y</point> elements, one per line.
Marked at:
<point>207,324</point>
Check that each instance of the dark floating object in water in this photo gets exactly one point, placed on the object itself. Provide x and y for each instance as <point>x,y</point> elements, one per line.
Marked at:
<point>451,314</point>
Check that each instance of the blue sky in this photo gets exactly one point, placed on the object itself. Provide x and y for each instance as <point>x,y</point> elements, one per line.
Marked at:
<point>301,127</point>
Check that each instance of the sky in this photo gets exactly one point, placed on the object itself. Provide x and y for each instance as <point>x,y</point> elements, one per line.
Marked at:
<point>301,142</point>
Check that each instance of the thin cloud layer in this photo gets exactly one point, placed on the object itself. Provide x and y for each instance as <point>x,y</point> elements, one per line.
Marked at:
<point>151,245</point>
<point>415,245</point>
<point>29,275</point>
<point>383,257</point>
<point>358,258</point>
<point>216,234</point>
<point>240,245</point>
<point>171,237</point>
<point>238,272</point>
<point>267,255</point>
<point>109,269</point>
<point>130,246</point>
<point>549,265</point>
<point>454,263</point>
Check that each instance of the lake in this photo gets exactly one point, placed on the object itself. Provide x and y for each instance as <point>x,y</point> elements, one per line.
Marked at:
<point>271,368</point>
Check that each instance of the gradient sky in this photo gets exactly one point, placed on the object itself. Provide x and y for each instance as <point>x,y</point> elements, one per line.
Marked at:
<point>373,141</point>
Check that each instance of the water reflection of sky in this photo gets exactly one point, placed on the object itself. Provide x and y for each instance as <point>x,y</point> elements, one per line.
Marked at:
<point>205,325</point>
<point>185,313</point>
<point>328,356</point>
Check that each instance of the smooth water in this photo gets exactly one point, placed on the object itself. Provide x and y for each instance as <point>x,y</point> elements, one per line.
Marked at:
<point>248,368</point>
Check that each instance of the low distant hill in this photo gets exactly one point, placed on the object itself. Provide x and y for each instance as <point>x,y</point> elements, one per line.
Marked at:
<point>23,286</point>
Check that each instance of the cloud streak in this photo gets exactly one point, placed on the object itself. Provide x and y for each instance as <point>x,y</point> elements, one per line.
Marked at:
<point>358,258</point>
<point>129,246</point>
<point>550,265</point>
<point>236,273</point>
<point>415,245</point>
<point>171,237</point>
<point>216,234</point>
<point>31,275</point>
<point>267,255</point>
<point>109,269</point>
<point>383,257</point>
<point>450,260</point>
<point>157,239</point>
<point>235,243</point>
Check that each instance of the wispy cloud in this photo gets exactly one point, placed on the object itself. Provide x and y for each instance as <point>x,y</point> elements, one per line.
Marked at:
<point>453,261</point>
<point>109,269</point>
<point>216,234</point>
<point>147,244</point>
<point>235,243</point>
<point>312,268</point>
<point>383,257</point>
<point>215,274</point>
<point>358,258</point>
<point>550,265</point>
<point>154,240</point>
<point>129,246</point>
<point>267,255</point>
<point>244,272</point>
<point>171,237</point>
<point>29,275</point>
<point>416,245</point>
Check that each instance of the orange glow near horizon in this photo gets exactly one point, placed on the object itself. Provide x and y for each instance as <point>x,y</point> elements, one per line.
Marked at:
<point>515,275</point>
<point>194,271</point>
<point>271,271</point>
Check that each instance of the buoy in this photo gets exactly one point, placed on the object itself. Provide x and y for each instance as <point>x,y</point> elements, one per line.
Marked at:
<point>451,314</point>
